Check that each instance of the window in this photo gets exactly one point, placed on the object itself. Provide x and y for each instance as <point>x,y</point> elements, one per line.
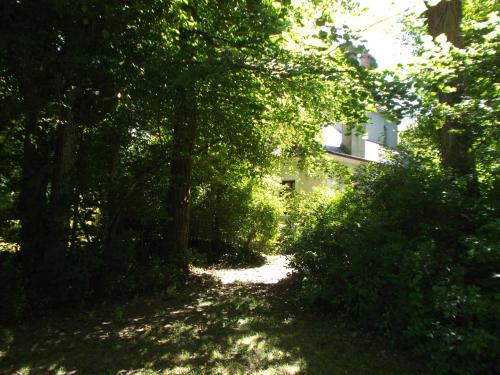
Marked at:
<point>289,185</point>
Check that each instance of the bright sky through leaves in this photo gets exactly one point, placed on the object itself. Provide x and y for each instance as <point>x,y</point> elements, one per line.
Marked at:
<point>380,25</point>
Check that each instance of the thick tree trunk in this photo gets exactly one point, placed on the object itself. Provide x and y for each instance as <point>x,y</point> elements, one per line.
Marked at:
<point>445,18</point>
<point>61,195</point>
<point>456,139</point>
<point>179,192</point>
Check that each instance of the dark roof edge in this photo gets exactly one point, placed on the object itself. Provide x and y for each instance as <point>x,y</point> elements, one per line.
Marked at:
<point>347,156</point>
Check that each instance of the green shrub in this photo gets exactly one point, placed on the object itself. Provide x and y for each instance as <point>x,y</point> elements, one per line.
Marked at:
<point>242,218</point>
<point>241,257</point>
<point>89,275</point>
<point>12,297</point>
<point>405,251</point>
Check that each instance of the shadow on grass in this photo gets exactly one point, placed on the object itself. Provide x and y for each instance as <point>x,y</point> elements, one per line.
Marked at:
<point>234,259</point>
<point>241,259</point>
<point>210,329</point>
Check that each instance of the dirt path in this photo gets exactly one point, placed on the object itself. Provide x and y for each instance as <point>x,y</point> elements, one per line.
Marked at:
<point>274,270</point>
<point>226,322</point>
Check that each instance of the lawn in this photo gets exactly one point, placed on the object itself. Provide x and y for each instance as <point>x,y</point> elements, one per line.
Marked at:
<point>211,328</point>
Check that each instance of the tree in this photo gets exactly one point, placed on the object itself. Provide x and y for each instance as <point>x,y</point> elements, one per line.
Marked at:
<point>67,64</point>
<point>242,49</point>
<point>112,113</point>
<point>456,140</point>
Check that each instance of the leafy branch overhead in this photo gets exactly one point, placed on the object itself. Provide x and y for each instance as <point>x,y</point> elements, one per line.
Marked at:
<point>138,138</point>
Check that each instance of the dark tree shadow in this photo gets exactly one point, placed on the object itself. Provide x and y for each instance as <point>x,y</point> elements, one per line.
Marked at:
<point>210,328</point>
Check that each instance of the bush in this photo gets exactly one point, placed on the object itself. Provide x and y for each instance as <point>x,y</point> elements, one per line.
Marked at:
<point>12,297</point>
<point>405,251</point>
<point>242,218</point>
<point>301,210</point>
<point>241,257</point>
<point>88,276</point>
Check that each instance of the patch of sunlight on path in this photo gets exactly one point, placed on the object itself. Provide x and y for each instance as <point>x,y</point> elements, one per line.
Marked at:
<point>275,268</point>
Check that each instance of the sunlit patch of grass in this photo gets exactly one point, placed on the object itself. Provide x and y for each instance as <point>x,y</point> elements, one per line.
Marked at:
<point>252,341</point>
<point>140,372</point>
<point>240,323</point>
<point>275,355</point>
<point>216,355</point>
<point>60,370</point>
<point>184,356</point>
<point>292,369</point>
<point>25,370</point>
<point>204,303</point>
<point>10,247</point>
<point>181,370</point>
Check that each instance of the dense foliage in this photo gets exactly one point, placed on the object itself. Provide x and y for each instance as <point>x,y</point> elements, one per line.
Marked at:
<point>404,251</point>
<point>117,117</point>
<point>411,247</point>
<point>137,137</point>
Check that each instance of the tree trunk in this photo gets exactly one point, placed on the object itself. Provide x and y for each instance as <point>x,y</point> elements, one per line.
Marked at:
<point>73,242</point>
<point>445,18</point>
<point>109,197</point>
<point>216,244</point>
<point>179,192</point>
<point>455,138</point>
<point>61,192</point>
<point>32,197</point>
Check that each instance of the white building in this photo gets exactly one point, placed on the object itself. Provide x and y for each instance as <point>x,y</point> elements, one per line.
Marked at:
<point>349,148</point>
<point>376,137</point>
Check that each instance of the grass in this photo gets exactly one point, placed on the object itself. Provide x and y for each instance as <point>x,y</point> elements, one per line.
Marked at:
<point>210,329</point>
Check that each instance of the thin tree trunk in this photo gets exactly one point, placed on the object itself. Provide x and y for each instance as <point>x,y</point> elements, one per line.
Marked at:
<point>216,243</point>
<point>74,224</point>
<point>109,198</point>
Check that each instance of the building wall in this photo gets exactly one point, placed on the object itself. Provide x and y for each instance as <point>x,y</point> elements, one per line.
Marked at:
<point>375,128</point>
<point>378,134</point>
<point>358,145</point>
<point>347,136</point>
<point>359,148</point>
<point>303,182</point>
<point>381,131</point>
<point>306,184</point>
<point>391,134</point>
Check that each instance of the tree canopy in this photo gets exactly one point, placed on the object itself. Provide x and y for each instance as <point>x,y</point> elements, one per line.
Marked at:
<point>113,113</point>
<point>137,137</point>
